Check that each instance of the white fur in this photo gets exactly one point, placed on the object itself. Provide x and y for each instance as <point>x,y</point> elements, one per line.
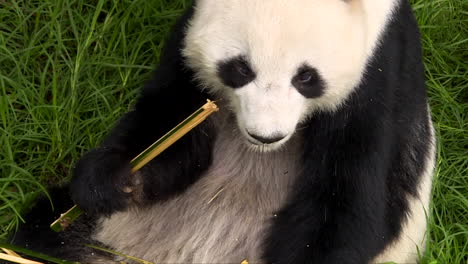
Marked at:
<point>411,241</point>
<point>277,36</point>
<point>221,218</point>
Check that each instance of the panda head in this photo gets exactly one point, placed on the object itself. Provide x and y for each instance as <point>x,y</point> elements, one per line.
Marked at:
<point>278,61</point>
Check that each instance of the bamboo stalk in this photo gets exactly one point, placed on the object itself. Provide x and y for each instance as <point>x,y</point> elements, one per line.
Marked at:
<point>13,257</point>
<point>66,219</point>
<point>173,135</point>
<point>147,155</point>
<point>10,252</point>
<point>16,259</point>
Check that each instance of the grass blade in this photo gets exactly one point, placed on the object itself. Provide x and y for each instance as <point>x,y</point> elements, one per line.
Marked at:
<point>120,254</point>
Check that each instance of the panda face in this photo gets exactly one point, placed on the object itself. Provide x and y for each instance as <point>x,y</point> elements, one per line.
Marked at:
<point>278,61</point>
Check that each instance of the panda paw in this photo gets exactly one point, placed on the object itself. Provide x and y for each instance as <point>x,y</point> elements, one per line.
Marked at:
<point>102,182</point>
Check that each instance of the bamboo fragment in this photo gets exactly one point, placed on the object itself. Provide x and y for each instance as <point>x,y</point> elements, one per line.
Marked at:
<point>10,252</point>
<point>16,259</point>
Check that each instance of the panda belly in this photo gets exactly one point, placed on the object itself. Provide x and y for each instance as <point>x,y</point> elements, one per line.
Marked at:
<point>223,217</point>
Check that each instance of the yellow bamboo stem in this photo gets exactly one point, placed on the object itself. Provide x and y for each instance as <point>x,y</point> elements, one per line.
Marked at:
<point>173,135</point>
<point>17,259</point>
<point>10,252</point>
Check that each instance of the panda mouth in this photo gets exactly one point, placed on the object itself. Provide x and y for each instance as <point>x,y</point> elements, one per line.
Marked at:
<point>264,140</point>
<point>255,142</point>
<point>261,140</point>
<point>270,143</point>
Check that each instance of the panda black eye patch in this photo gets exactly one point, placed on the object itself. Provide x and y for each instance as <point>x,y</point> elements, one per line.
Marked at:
<point>308,82</point>
<point>235,72</point>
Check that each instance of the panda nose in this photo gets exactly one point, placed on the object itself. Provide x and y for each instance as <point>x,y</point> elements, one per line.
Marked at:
<point>267,140</point>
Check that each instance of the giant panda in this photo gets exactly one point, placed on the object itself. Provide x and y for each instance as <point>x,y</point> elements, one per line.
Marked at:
<point>322,152</point>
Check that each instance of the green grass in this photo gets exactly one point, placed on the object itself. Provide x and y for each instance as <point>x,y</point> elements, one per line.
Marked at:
<point>69,69</point>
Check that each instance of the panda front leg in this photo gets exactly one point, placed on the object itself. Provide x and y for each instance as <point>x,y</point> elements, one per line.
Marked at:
<point>102,182</point>
<point>101,179</point>
<point>337,214</point>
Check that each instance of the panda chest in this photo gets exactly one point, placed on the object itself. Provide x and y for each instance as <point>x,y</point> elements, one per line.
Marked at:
<point>223,217</point>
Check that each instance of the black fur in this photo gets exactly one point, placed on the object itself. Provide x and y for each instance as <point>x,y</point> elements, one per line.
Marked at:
<point>359,162</point>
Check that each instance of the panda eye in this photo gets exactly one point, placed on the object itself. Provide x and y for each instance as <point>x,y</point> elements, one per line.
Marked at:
<point>243,68</point>
<point>308,82</point>
<point>235,72</point>
<point>305,77</point>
